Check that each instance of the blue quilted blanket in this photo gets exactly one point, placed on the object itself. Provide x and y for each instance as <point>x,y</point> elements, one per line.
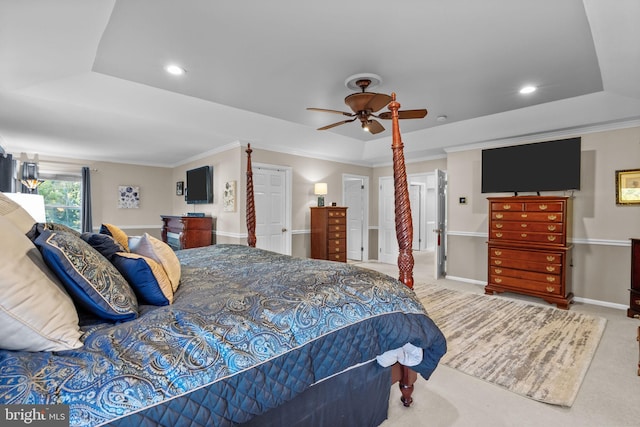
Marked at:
<point>255,327</point>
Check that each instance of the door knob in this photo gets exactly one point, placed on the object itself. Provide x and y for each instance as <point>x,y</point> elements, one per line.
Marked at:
<point>284,230</point>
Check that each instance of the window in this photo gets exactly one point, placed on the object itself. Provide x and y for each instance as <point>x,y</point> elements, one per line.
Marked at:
<point>62,201</point>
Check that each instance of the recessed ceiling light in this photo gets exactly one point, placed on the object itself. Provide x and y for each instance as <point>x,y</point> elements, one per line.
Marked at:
<point>527,90</point>
<point>175,70</point>
<point>441,118</point>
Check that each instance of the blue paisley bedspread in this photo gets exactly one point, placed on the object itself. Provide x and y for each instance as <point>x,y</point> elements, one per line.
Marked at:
<point>254,327</point>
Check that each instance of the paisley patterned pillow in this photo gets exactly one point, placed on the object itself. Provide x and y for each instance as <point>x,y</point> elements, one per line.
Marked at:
<point>91,280</point>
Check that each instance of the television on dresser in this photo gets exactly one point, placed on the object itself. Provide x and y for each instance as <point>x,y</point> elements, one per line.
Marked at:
<point>199,185</point>
<point>535,167</point>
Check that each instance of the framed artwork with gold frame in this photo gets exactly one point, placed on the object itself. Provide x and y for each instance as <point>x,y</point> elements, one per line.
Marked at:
<point>628,187</point>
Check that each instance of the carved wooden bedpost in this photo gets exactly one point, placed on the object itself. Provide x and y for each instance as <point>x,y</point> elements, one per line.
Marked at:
<point>404,226</point>
<point>251,207</point>
<point>404,232</point>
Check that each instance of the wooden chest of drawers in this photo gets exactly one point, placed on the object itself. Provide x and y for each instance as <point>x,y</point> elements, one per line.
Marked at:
<point>329,233</point>
<point>184,232</point>
<point>528,249</point>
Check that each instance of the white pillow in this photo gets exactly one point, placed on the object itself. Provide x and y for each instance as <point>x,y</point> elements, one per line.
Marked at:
<point>16,214</point>
<point>161,253</point>
<point>36,313</point>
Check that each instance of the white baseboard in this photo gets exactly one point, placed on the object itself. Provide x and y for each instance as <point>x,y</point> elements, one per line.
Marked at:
<point>576,299</point>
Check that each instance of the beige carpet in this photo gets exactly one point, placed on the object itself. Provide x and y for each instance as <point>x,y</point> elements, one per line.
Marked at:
<point>534,350</point>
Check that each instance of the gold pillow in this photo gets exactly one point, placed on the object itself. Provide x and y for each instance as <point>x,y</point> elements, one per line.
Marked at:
<point>160,252</point>
<point>117,234</point>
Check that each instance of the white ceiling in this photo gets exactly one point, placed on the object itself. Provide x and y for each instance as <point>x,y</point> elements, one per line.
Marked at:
<point>84,78</point>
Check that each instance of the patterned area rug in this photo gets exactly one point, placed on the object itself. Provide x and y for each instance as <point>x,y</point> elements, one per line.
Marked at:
<point>539,352</point>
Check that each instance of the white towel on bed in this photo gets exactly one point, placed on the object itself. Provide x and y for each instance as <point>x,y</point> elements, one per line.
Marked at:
<point>407,355</point>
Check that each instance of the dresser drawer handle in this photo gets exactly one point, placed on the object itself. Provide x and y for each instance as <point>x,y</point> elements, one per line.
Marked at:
<point>524,225</point>
<point>506,207</point>
<point>542,207</point>
<point>498,234</point>
<point>551,268</point>
<point>497,262</point>
<point>498,225</point>
<point>551,228</point>
<point>523,235</point>
<point>637,302</point>
<point>551,258</point>
<point>337,256</point>
<point>552,217</point>
<point>498,253</point>
<point>551,238</point>
<point>497,280</point>
<point>499,216</point>
<point>550,288</point>
<point>524,215</point>
<point>551,279</point>
<point>498,271</point>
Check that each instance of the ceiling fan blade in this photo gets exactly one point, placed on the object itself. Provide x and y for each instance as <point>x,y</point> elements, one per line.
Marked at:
<point>336,124</point>
<point>377,102</point>
<point>375,127</point>
<point>404,114</point>
<point>324,110</point>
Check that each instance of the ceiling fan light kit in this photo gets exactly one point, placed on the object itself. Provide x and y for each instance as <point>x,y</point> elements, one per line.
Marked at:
<point>364,104</point>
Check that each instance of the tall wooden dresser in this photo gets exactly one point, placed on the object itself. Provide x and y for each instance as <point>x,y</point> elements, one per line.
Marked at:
<point>528,245</point>
<point>184,232</point>
<point>329,233</point>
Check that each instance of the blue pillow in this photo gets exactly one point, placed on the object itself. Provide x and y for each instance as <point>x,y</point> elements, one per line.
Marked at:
<point>146,276</point>
<point>91,280</point>
<point>103,243</point>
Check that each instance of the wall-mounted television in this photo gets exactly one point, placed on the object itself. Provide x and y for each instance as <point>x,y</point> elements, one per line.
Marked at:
<point>199,186</point>
<point>541,166</point>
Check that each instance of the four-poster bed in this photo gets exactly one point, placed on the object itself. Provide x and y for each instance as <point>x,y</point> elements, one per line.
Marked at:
<point>241,336</point>
<point>404,231</point>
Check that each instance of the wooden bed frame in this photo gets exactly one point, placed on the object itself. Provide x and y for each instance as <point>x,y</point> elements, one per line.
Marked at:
<point>404,233</point>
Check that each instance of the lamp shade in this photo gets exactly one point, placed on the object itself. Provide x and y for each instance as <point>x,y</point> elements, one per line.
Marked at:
<point>320,189</point>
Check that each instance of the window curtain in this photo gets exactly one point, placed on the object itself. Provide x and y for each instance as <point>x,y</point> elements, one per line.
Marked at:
<point>87,225</point>
<point>7,173</point>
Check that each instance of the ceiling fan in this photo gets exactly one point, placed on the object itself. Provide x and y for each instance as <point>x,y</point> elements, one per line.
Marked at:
<point>364,105</point>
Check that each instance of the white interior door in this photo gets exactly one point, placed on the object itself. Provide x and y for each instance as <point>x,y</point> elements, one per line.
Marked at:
<point>415,200</point>
<point>271,187</point>
<point>387,241</point>
<point>356,201</point>
<point>441,222</point>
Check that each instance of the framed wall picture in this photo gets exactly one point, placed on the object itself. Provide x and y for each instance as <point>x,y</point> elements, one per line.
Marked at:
<point>230,196</point>
<point>628,187</point>
<point>179,188</point>
<point>128,197</point>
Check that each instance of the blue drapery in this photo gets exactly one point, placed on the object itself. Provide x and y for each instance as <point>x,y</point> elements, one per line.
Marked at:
<point>87,224</point>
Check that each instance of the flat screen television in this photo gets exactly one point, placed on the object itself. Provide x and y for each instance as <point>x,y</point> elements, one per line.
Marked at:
<point>199,186</point>
<point>536,167</point>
